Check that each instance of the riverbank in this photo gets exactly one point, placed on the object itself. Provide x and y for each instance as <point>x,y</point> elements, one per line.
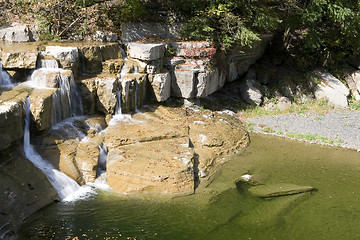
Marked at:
<point>336,127</point>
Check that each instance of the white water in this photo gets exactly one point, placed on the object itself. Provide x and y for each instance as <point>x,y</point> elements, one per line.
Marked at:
<point>5,79</point>
<point>136,97</point>
<point>66,101</point>
<point>48,63</point>
<point>63,185</point>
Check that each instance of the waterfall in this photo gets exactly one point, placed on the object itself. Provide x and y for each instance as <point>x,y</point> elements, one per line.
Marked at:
<point>66,102</point>
<point>5,79</point>
<point>101,169</point>
<point>48,63</point>
<point>118,103</point>
<point>136,97</point>
<point>64,185</point>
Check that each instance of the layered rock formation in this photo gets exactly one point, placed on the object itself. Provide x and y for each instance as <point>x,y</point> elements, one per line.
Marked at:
<point>158,150</point>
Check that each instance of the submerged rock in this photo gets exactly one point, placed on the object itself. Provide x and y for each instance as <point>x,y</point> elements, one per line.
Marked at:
<point>280,189</point>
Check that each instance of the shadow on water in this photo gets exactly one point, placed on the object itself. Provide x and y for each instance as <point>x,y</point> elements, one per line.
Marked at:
<point>222,209</point>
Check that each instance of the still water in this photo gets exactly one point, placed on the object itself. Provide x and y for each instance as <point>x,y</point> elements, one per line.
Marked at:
<point>219,210</point>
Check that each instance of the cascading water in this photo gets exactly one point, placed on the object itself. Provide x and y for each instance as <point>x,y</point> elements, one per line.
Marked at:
<point>119,116</point>
<point>66,101</point>
<point>101,169</point>
<point>136,97</point>
<point>64,185</point>
<point>118,103</point>
<point>48,63</point>
<point>5,79</point>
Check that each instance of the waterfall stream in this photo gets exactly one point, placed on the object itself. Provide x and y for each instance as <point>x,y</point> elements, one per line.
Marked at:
<point>5,79</point>
<point>66,101</point>
<point>48,63</point>
<point>63,185</point>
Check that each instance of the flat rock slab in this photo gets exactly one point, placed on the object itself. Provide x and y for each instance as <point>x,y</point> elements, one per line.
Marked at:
<point>164,166</point>
<point>278,189</point>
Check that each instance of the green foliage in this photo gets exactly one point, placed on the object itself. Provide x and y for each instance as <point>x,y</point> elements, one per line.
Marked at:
<point>325,32</point>
<point>354,105</point>
<point>229,23</point>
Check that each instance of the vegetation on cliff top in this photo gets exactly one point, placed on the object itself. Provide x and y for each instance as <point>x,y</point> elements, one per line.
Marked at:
<point>316,32</point>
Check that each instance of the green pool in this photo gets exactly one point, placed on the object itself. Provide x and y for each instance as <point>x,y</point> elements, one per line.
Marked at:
<point>223,210</point>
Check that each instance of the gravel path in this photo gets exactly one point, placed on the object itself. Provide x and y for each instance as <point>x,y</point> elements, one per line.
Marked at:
<point>337,127</point>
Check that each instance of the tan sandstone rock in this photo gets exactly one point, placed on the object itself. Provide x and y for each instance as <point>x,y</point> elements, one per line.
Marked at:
<point>19,59</point>
<point>164,166</point>
<point>41,107</point>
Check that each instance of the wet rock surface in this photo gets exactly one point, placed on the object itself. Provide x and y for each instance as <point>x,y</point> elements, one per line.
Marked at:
<point>24,190</point>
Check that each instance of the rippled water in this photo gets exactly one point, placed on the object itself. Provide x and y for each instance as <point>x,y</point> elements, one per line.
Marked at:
<point>220,210</point>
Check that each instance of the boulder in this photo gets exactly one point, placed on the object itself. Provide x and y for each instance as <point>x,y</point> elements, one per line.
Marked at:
<point>88,89</point>
<point>91,59</point>
<point>41,107</point>
<point>183,83</point>
<point>12,116</point>
<point>214,136</point>
<point>240,59</point>
<point>107,88</point>
<point>110,51</point>
<point>161,85</point>
<point>19,58</point>
<point>209,82</point>
<point>160,129</point>
<point>67,165</point>
<point>146,51</point>
<point>283,103</point>
<point>353,81</point>
<point>105,37</point>
<point>68,57</point>
<point>87,155</point>
<point>331,89</point>
<point>163,166</point>
<point>156,124</point>
<point>18,33</point>
<point>249,93</point>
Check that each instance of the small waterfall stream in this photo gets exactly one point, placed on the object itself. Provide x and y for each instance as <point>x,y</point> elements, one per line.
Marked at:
<point>64,185</point>
<point>48,63</point>
<point>101,169</point>
<point>66,101</point>
<point>5,79</point>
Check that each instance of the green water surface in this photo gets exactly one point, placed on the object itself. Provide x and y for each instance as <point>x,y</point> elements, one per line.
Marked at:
<point>221,210</point>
